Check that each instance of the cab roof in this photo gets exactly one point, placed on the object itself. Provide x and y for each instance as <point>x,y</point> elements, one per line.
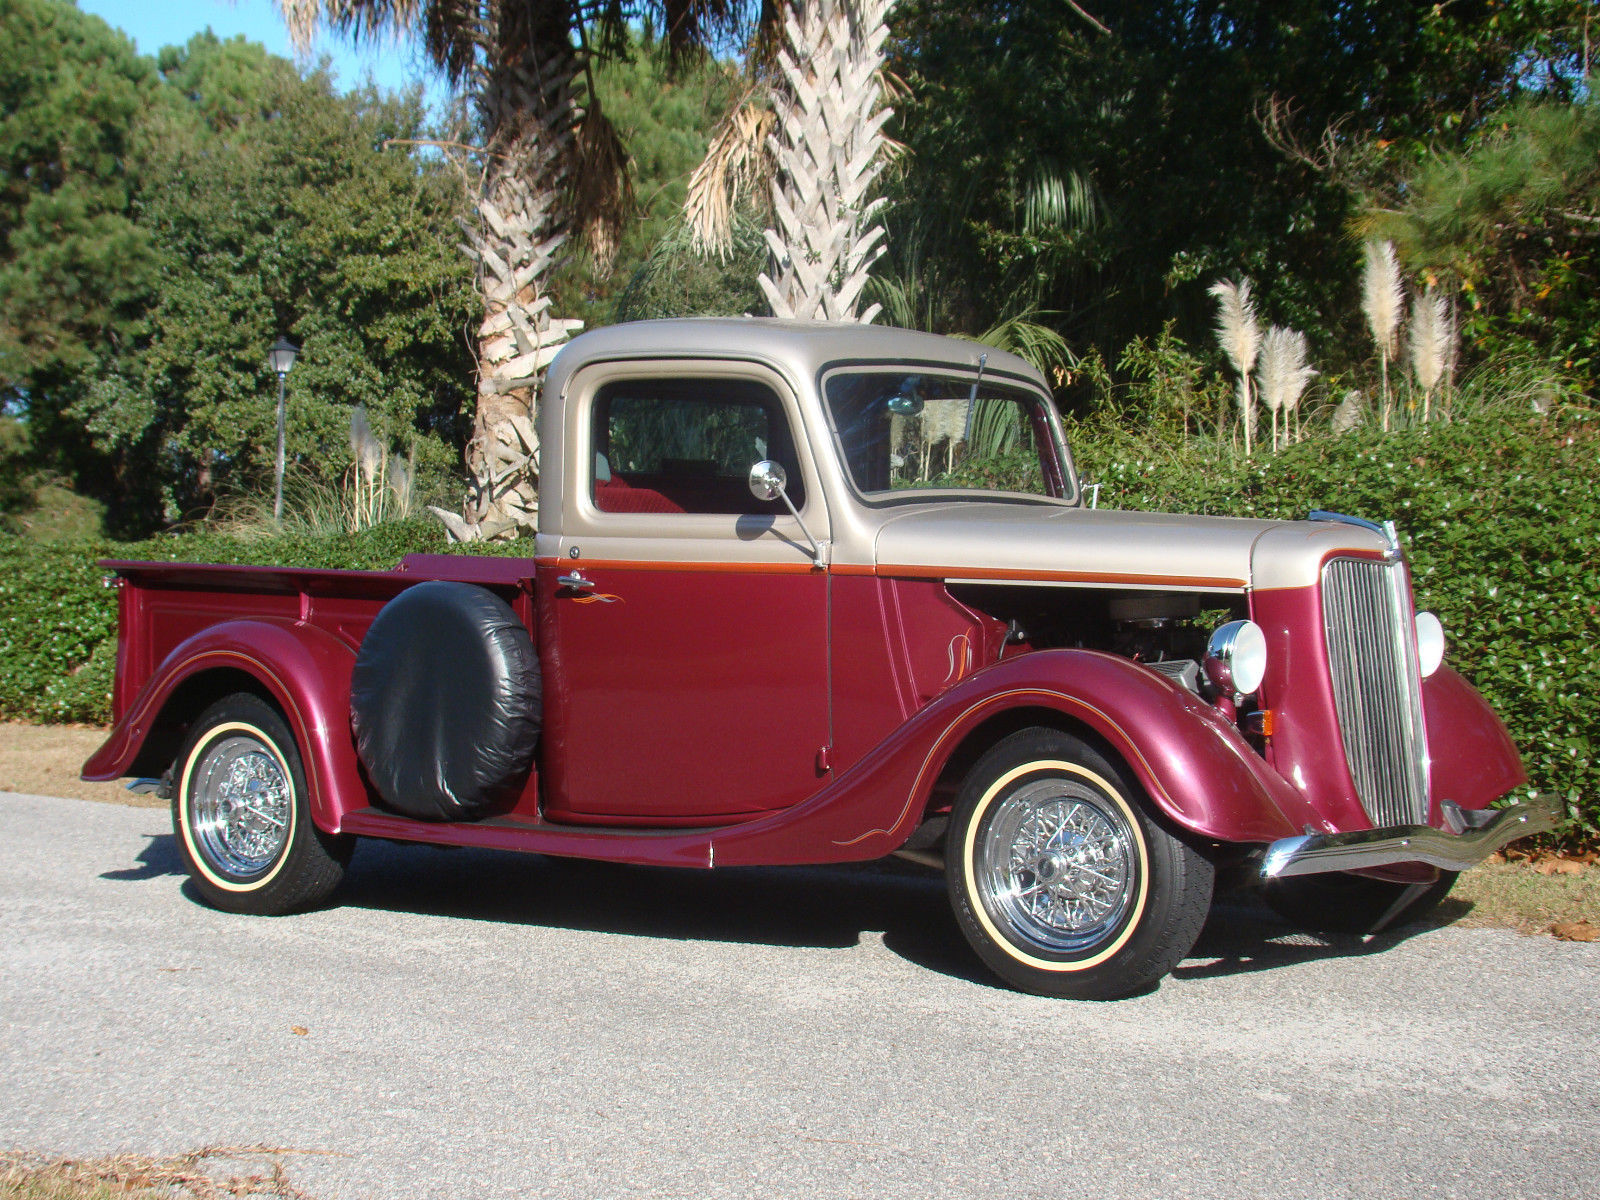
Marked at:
<point>802,348</point>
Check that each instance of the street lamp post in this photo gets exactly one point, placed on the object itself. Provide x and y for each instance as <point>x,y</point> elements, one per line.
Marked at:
<point>281,357</point>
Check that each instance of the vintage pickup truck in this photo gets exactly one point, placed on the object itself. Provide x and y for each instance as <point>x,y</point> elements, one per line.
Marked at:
<point>811,594</point>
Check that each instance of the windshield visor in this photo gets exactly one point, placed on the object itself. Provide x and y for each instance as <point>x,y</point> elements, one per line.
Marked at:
<point>902,432</point>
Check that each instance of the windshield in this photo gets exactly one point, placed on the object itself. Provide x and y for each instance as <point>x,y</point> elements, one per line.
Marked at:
<point>900,431</point>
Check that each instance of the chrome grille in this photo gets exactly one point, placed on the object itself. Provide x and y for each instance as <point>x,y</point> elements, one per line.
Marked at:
<point>1372,657</point>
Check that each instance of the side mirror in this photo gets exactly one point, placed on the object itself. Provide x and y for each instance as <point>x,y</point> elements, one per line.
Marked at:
<point>768,480</point>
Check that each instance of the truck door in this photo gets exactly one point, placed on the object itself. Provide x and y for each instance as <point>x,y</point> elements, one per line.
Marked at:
<point>685,653</point>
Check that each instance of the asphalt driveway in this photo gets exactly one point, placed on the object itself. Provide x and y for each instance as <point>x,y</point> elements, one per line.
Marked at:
<point>469,1024</point>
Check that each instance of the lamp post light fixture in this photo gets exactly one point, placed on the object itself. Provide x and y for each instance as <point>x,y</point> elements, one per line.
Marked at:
<point>281,358</point>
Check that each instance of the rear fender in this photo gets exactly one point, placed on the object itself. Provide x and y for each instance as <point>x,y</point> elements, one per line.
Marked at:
<point>303,669</point>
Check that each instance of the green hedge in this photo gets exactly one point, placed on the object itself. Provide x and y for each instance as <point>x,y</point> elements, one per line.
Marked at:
<point>58,621</point>
<point>1501,517</point>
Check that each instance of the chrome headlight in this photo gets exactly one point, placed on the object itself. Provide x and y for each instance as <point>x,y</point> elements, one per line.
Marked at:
<point>1430,643</point>
<point>1236,658</point>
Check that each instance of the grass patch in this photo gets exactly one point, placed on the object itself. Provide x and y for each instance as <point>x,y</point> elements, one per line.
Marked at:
<point>202,1174</point>
<point>1515,895</point>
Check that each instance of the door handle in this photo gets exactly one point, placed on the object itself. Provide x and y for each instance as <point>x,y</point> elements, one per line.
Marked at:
<point>575,582</point>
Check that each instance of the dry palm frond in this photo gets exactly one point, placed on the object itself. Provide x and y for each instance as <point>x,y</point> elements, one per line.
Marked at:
<point>1239,333</point>
<point>739,161</point>
<point>365,19</point>
<point>1283,375</point>
<point>1432,339</point>
<point>600,186</point>
<point>1382,299</point>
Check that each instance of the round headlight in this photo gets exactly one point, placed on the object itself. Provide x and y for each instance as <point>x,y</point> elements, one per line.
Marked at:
<point>1430,643</point>
<point>1236,657</point>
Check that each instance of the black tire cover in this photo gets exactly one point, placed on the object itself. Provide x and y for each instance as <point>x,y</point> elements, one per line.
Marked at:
<point>444,701</point>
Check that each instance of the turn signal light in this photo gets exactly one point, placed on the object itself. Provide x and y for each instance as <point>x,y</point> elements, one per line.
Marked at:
<point>1260,722</point>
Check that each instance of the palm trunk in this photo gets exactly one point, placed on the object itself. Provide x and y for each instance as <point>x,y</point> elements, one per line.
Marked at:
<point>527,102</point>
<point>829,148</point>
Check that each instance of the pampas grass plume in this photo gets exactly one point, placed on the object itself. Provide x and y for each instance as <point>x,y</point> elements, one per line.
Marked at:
<point>1430,339</point>
<point>1283,374</point>
<point>1238,330</point>
<point>1239,333</point>
<point>1382,298</point>
<point>1432,343</point>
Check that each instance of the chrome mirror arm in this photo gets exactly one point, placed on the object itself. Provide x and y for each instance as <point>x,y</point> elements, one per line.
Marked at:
<point>769,481</point>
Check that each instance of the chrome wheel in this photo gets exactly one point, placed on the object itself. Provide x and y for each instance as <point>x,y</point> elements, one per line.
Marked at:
<point>242,814</point>
<point>1059,877</point>
<point>241,806</point>
<point>1056,865</point>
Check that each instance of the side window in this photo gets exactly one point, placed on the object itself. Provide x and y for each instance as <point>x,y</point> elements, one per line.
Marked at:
<point>687,446</point>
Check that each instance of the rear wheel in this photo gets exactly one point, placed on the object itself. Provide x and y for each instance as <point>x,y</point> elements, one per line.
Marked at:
<point>1061,881</point>
<point>1337,903</point>
<point>241,816</point>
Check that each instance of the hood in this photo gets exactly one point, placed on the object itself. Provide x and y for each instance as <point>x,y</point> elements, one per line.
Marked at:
<point>987,540</point>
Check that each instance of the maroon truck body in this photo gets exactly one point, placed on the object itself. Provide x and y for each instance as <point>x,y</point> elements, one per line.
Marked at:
<point>751,700</point>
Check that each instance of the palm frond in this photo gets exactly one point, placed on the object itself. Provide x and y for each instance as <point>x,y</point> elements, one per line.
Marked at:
<point>600,186</point>
<point>363,19</point>
<point>1027,337</point>
<point>738,162</point>
<point>1056,199</point>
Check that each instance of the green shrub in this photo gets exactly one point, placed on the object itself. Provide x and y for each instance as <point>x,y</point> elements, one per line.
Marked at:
<point>58,620</point>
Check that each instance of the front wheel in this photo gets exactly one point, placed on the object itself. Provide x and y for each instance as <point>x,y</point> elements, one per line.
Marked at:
<point>241,816</point>
<point>1061,881</point>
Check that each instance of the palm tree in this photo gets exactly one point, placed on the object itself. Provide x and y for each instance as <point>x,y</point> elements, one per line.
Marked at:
<point>818,141</point>
<point>548,167</point>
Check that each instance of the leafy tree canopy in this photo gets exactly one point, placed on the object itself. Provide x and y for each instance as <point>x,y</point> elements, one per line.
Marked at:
<point>1108,169</point>
<point>76,269</point>
<point>1513,220</point>
<point>260,203</point>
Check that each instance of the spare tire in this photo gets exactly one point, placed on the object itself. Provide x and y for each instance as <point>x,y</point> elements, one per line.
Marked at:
<point>444,701</point>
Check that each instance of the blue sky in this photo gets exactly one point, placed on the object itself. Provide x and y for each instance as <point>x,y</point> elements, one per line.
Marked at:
<point>156,23</point>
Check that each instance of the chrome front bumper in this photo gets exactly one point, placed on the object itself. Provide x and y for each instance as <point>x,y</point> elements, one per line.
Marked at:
<point>1473,837</point>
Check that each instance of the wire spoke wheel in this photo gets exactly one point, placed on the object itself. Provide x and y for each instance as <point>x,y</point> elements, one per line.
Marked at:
<point>1057,866</point>
<point>239,809</point>
<point>242,800</point>
<point>1060,877</point>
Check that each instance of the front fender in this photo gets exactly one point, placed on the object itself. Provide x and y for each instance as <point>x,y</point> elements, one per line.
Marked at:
<point>1194,763</point>
<point>304,669</point>
<point>1196,766</point>
<point>1473,760</point>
